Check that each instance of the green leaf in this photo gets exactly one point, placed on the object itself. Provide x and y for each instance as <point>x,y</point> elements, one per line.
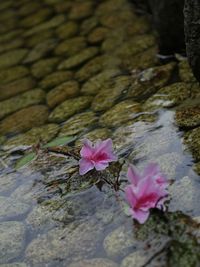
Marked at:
<point>25,160</point>
<point>59,141</point>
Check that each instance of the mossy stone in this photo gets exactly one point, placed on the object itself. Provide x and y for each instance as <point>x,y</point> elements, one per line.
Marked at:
<point>81,10</point>
<point>69,108</point>
<point>62,92</point>
<point>192,140</point>
<point>79,58</point>
<point>120,113</point>
<point>55,79</point>
<point>67,30</point>
<point>24,119</point>
<point>44,67</point>
<point>97,35</point>
<point>16,87</point>
<point>188,117</point>
<point>185,72</point>
<point>79,123</point>
<point>11,74</point>
<point>70,46</point>
<point>32,97</point>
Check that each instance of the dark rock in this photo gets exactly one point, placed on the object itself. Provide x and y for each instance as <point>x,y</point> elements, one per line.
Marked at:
<point>192,37</point>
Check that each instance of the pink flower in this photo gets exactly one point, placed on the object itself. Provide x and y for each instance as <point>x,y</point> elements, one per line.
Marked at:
<point>152,170</point>
<point>96,156</point>
<point>146,191</point>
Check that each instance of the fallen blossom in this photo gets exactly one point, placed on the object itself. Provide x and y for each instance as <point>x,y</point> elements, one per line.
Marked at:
<point>97,155</point>
<point>146,191</point>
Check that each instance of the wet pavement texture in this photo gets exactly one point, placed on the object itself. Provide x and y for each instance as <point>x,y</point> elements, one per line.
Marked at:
<point>76,69</point>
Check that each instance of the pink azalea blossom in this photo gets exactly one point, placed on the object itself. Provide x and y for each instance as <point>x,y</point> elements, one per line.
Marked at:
<point>97,155</point>
<point>146,191</point>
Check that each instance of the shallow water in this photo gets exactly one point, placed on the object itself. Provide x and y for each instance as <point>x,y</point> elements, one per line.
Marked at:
<point>76,69</point>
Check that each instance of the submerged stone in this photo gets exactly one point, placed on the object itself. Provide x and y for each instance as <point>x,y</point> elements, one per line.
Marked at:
<point>4,47</point>
<point>42,134</point>
<point>64,244</point>
<point>96,262</point>
<point>169,96</point>
<point>15,264</point>
<point>79,58</point>
<point>15,73</point>
<point>95,65</point>
<point>93,85</point>
<point>12,239</point>
<point>88,25</point>
<point>81,10</point>
<point>120,113</point>
<point>55,78</point>
<point>97,35</point>
<point>40,50</point>
<point>119,241</point>
<point>38,38</point>
<point>32,97</point>
<point>69,108</point>
<point>16,87</point>
<point>10,208</point>
<point>67,30</point>
<point>70,46</point>
<point>43,67</point>
<point>79,123</point>
<point>62,92</point>
<point>136,258</point>
<point>111,91</point>
<point>8,182</point>
<point>24,119</point>
<point>150,80</point>
<point>12,58</point>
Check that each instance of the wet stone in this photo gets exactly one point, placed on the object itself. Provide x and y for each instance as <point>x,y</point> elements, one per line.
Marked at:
<point>98,133</point>
<point>10,208</point>
<point>38,38</point>
<point>88,25</point>
<point>16,87</point>
<point>8,182</point>
<point>62,92</point>
<point>29,8</point>
<point>192,140</point>
<point>12,74</point>
<point>43,67</point>
<point>40,50</point>
<point>94,85</point>
<point>32,116</point>
<point>52,23</point>
<point>16,264</point>
<point>81,10</point>
<point>67,30</point>
<point>79,58</point>
<point>184,195</point>
<point>42,134</point>
<point>137,259</point>
<point>169,96</point>
<point>63,244</point>
<point>32,97</point>
<point>63,7</point>
<point>78,123</point>
<point>56,78</point>
<point>8,36</point>
<point>12,238</point>
<point>71,46</point>
<point>69,108</point>
<point>119,241</point>
<point>4,47</point>
<point>95,65</point>
<point>36,18</point>
<point>97,35</point>
<point>120,113</point>
<point>110,92</point>
<point>135,45</point>
<point>147,82</point>
<point>98,262</point>
<point>188,117</point>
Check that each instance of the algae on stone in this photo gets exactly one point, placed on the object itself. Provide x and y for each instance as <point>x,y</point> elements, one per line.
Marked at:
<point>69,108</point>
<point>55,79</point>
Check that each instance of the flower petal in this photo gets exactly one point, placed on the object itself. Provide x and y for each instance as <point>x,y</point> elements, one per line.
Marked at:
<point>130,196</point>
<point>101,165</point>
<point>87,149</point>
<point>133,175</point>
<point>139,215</point>
<point>85,166</point>
<point>152,169</point>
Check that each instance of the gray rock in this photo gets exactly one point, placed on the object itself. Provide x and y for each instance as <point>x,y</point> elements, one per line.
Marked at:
<point>12,238</point>
<point>98,262</point>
